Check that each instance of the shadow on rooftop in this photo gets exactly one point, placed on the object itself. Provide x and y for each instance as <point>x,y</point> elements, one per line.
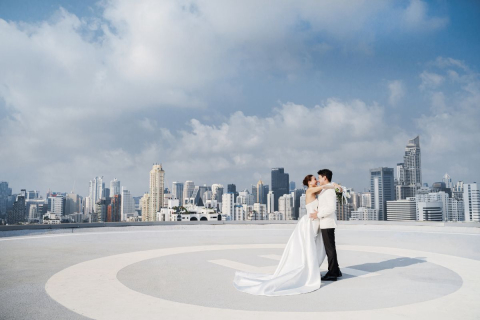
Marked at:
<point>380,266</point>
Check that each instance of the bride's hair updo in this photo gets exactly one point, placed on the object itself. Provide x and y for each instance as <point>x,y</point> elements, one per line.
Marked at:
<point>307,179</point>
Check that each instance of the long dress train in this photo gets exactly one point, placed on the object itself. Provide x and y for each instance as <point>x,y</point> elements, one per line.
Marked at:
<point>299,268</point>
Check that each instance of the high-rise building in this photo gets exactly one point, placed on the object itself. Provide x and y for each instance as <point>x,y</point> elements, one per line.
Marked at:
<point>232,188</point>
<point>270,202</point>
<point>261,195</point>
<point>366,200</point>
<point>217,192</point>
<point>128,204</point>
<point>32,195</point>
<point>114,187</point>
<point>457,191</point>
<point>114,212</point>
<point>296,194</point>
<point>244,197</point>
<point>356,200</point>
<point>157,188</point>
<point>259,211</point>
<point>56,204</point>
<point>238,213</point>
<point>228,202</point>
<point>100,211</point>
<point>303,208</point>
<point>432,206</point>
<point>456,210</point>
<point>364,214</point>
<point>188,189</point>
<point>5,192</point>
<point>96,192</point>
<point>382,189</point>
<point>177,191</point>
<point>471,200</point>
<point>72,203</point>
<point>285,206</point>
<point>409,174</point>
<point>145,208</point>
<point>292,186</point>
<point>17,213</point>
<point>280,184</point>
<point>35,209</point>
<point>447,180</point>
<point>402,210</point>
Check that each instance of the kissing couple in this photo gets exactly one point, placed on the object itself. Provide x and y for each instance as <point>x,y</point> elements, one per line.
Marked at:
<point>312,239</point>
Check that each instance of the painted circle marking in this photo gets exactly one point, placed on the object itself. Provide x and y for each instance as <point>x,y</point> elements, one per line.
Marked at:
<point>91,288</point>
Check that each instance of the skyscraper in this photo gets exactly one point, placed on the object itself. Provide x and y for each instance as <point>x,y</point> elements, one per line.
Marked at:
<point>471,200</point>
<point>285,206</point>
<point>217,192</point>
<point>56,204</point>
<point>72,203</point>
<point>18,212</point>
<point>296,194</point>
<point>114,212</point>
<point>145,208</point>
<point>261,195</point>
<point>128,204</point>
<point>177,191</point>
<point>114,187</point>
<point>232,188</point>
<point>228,202</point>
<point>292,186</point>
<point>447,180</point>
<point>280,185</point>
<point>270,202</point>
<point>382,189</point>
<point>96,192</point>
<point>157,188</point>
<point>5,192</point>
<point>188,191</point>
<point>409,174</point>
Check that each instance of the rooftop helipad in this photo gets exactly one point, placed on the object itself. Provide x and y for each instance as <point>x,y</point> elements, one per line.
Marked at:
<point>186,271</point>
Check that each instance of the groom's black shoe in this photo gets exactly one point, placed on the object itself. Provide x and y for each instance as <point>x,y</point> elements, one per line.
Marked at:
<point>328,277</point>
<point>339,273</point>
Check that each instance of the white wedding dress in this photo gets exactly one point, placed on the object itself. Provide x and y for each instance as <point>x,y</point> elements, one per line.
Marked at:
<point>299,268</point>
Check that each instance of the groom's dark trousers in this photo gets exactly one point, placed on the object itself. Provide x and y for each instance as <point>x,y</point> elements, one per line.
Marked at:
<point>328,236</point>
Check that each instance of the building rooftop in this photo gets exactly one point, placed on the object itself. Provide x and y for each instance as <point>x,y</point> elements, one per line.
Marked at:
<point>185,271</point>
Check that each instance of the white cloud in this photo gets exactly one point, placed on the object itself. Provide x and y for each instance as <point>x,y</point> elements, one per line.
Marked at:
<point>451,132</point>
<point>397,91</point>
<point>415,17</point>
<point>430,80</point>
<point>77,92</point>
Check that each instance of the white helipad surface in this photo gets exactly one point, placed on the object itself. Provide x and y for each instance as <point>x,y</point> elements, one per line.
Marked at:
<point>186,272</point>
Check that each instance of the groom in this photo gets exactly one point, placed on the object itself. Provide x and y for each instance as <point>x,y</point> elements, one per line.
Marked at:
<point>326,213</point>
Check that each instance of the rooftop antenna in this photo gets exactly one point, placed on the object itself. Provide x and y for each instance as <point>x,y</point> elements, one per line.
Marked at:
<point>73,190</point>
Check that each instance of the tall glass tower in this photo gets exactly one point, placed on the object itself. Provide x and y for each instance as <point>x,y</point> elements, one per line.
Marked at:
<point>280,184</point>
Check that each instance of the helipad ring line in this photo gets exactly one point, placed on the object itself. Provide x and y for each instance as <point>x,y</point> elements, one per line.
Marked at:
<point>91,289</point>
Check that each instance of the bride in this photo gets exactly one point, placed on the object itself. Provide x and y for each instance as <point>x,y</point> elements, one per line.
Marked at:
<point>299,268</point>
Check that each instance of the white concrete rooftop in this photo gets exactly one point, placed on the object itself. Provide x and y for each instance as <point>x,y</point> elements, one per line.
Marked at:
<point>391,271</point>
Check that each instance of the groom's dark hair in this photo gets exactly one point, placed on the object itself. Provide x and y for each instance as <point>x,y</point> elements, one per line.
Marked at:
<point>326,173</point>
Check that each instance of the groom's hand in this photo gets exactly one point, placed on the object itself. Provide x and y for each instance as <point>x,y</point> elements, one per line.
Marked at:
<point>313,215</point>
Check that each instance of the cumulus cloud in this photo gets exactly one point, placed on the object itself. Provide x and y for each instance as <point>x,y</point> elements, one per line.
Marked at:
<point>76,93</point>
<point>430,80</point>
<point>397,91</point>
<point>415,17</point>
<point>451,131</point>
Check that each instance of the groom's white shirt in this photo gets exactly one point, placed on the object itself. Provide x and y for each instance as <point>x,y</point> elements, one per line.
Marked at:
<point>327,205</point>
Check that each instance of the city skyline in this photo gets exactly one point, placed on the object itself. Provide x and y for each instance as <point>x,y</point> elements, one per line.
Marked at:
<point>226,93</point>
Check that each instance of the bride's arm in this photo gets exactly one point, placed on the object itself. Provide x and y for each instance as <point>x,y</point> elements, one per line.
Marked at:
<point>337,186</point>
<point>320,188</point>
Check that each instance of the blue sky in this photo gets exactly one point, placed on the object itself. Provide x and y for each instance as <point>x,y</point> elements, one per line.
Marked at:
<point>211,90</point>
